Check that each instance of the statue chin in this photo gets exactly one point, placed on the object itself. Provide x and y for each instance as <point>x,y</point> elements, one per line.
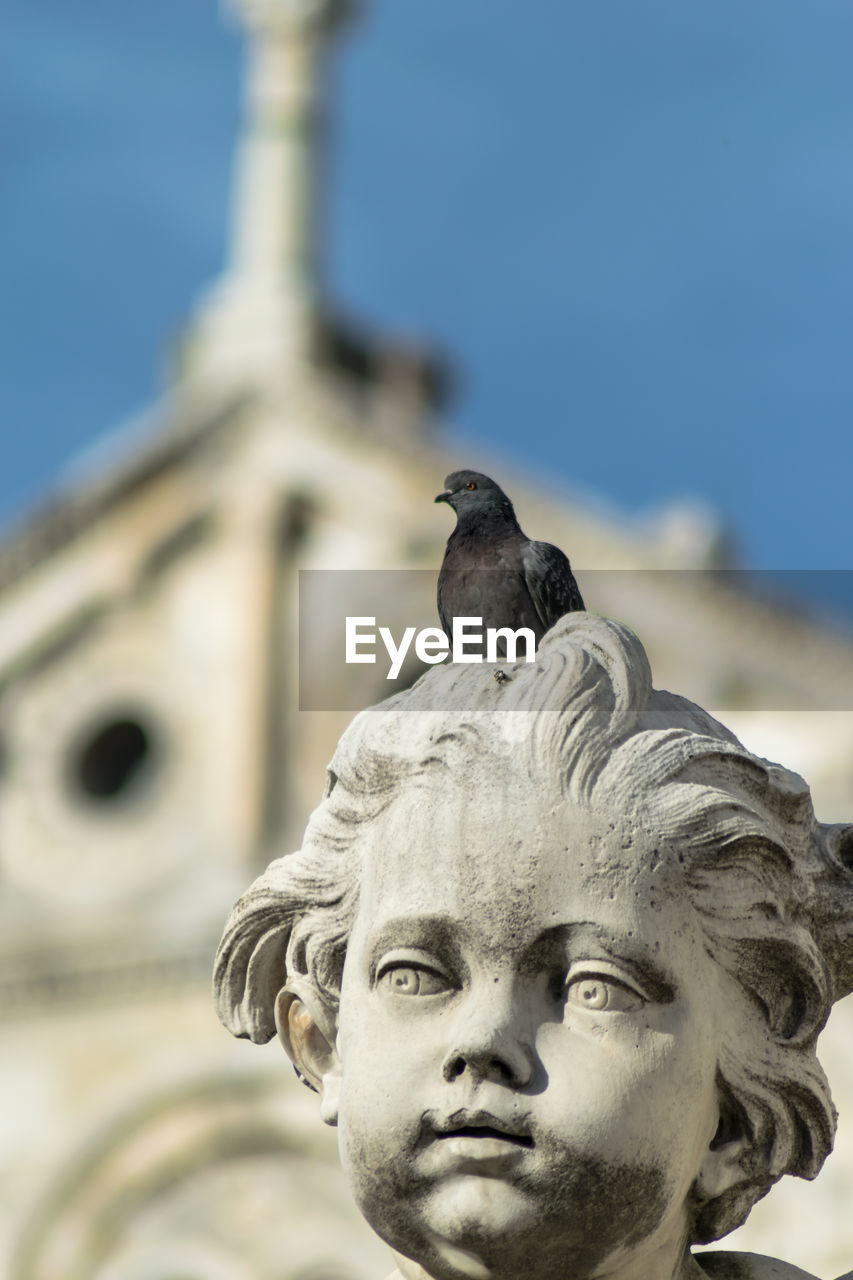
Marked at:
<point>478,1226</point>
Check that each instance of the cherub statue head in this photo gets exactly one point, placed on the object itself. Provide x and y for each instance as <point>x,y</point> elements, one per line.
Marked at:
<point>555,954</point>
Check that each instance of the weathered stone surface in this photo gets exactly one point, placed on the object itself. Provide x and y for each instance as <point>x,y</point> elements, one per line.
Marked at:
<point>555,954</point>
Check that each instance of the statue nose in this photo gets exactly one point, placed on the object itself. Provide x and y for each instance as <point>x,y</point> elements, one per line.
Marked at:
<point>486,1051</point>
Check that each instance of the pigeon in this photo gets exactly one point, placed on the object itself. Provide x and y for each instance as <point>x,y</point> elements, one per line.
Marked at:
<point>534,584</point>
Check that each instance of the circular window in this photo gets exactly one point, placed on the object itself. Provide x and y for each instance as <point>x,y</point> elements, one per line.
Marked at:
<point>115,760</point>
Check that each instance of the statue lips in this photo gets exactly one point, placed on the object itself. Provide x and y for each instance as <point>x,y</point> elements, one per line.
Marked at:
<point>476,1141</point>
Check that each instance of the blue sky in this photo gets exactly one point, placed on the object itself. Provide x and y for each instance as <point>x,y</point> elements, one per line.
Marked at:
<point>628,222</point>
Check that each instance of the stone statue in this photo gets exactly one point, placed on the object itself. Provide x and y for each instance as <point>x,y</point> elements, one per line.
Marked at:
<point>555,954</point>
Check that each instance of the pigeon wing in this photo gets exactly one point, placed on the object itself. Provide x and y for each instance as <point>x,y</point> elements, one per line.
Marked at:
<point>550,581</point>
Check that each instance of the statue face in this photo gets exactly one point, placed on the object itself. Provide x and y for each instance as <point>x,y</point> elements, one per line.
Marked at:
<point>528,1036</point>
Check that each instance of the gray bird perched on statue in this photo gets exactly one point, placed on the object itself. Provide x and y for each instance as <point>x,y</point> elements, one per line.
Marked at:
<point>492,570</point>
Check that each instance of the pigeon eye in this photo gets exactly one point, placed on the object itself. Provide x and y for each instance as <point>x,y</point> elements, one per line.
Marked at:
<point>470,485</point>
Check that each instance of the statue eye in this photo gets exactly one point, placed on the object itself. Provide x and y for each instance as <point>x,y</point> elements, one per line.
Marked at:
<point>599,993</point>
<point>411,980</point>
<point>470,485</point>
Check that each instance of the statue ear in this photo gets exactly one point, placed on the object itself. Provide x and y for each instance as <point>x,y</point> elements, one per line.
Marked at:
<point>307,1031</point>
<point>725,1163</point>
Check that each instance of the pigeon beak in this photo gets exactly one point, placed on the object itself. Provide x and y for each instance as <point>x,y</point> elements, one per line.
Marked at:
<point>443,497</point>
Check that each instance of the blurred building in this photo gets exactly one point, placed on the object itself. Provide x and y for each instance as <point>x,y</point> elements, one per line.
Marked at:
<point>154,755</point>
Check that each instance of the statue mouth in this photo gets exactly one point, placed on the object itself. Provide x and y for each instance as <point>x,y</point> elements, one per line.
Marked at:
<point>482,1126</point>
<point>486,1131</point>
